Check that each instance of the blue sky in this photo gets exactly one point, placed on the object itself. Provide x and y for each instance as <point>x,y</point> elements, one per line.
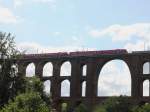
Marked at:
<point>70,25</point>
<point>60,23</point>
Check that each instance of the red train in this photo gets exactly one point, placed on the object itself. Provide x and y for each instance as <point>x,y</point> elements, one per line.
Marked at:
<point>102,52</point>
<point>78,53</point>
<point>59,54</point>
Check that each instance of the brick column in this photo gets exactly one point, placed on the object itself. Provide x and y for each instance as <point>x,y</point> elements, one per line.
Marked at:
<point>56,86</point>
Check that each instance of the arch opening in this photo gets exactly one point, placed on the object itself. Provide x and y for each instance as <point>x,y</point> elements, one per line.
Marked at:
<point>146,88</point>
<point>65,88</point>
<point>84,70</point>
<point>30,70</point>
<point>48,69</point>
<point>146,68</point>
<point>47,87</point>
<point>114,79</point>
<point>84,89</point>
<point>65,69</point>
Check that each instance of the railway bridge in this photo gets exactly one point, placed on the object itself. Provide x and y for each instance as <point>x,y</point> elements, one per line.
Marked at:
<point>94,60</point>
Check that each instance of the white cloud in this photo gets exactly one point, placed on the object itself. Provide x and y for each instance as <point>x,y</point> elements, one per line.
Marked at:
<point>114,79</point>
<point>56,33</point>
<point>44,1</point>
<point>65,88</point>
<point>138,46</point>
<point>124,32</point>
<point>7,16</point>
<point>47,86</point>
<point>146,88</point>
<point>136,36</point>
<point>66,69</point>
<point>31,47</point>
<point>30,70</point>
<point>48,69</point>
<point>18,3</point>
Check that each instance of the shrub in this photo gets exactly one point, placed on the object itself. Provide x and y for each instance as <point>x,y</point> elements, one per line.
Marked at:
<point>26,102</point>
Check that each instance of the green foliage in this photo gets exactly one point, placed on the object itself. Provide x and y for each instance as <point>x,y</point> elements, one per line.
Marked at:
<point>100,109</point>
<point>14,87</point>
<point>144,108</point>
<point>33,84</point>
<point>81,108</point>
<point>27,102</point>
<point>115,104</point>
<point>121,104</point>
<point>135,109</point>
<point>10,80</point>
<point>30,99</point>
<point>7,46</point>
<point>64,107</point>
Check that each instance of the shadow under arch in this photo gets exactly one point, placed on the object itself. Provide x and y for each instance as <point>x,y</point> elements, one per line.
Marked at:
<point>114,78</point>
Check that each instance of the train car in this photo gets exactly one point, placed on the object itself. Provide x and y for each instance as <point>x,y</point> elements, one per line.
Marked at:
<point>78,53</point>
<point>59,54</point>
<point>102,52</point>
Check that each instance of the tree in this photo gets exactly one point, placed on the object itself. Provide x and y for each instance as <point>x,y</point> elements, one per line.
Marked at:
<point>34,84</point>
<point>27,102</point>
<point>115,104</point>
<point>81,108</point>
<point>9,78</point>
<point>15,89</point>
<point>144,108</point>
<point>31,100</point>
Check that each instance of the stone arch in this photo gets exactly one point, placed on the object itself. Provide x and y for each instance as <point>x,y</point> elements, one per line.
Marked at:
<point>65,88</point>
<point>65,69</point>
<point>146,87</point>
<point>83,88</point>
<point>30,70</point>
<point>48,69</point>
<point>113,76</point>
<point>47,87</point>
<point>146,68</point>
<point>84,70</point>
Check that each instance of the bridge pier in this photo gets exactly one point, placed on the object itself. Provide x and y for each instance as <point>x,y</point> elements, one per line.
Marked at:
<point>56,86</point>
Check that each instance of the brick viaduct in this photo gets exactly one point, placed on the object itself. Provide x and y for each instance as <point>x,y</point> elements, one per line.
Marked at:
<point>94,60</point>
